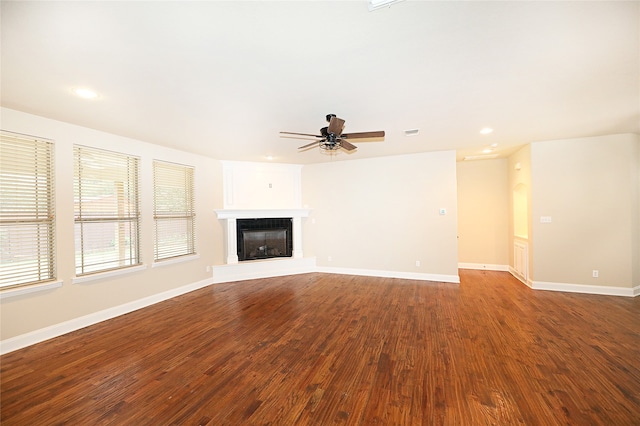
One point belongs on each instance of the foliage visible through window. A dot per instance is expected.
(173, 210)
(106, 205)
(27, 252)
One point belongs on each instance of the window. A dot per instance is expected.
(107, 213)
(27, 252)
(173, 210)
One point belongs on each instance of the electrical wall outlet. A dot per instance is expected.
(417, 263)
(329, 258)
(208, 268)
(595, 273)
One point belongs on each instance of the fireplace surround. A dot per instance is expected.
(231, 216)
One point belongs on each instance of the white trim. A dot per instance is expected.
(171, 261)
(484, 266)
(391, 274)
(517, 276)
(37, 336)
(587, 289)
(35, 288)
(108, 274)
(248, 270)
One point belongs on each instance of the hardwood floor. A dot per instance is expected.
(319, 349)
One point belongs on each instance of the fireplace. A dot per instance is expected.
(232, 216)
(264, 238)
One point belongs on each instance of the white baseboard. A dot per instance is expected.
(484, 266)
(37, 336)
(274, 268)
(263, 269)
(513, 272)
(578, 288)
(391, 274)
(587, 289)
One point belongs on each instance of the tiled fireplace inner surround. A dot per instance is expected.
(237, 271)
(264, 238)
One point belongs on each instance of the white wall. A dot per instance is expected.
(588, 186)
(635, 226)
(382, 214)
(250, 185)
(483, 214)
(34, 311)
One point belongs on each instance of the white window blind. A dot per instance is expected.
(107, 218)
(27, 222)
(173, 210)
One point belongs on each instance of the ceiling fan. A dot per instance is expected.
(331, 137)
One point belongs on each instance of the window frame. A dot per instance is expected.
(28, 202)
(122, 171)
(175, 213)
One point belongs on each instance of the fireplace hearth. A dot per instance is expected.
(264, 238)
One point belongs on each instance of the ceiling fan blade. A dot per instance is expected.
(361, 135)
(300, 134)
(347, 145)
(335, 125)
(309, 144)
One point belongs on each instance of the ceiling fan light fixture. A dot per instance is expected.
(378, 4)
(329, 149)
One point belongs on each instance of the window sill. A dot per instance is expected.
(34, 288)
(102, 275)
(173, 260)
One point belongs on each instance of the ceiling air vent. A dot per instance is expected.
(411, 132)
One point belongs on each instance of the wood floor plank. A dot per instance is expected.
(318, 349)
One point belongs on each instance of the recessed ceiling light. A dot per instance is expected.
(487, 151)
(486, 131)
(85, 93)
(493, 145)
(269, 157)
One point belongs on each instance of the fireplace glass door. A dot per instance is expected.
(264, 238)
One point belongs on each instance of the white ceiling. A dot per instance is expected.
(223, 78)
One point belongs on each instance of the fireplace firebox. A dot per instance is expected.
(264, 238)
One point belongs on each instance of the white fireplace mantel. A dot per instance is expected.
(231, 215)
(261, 213)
